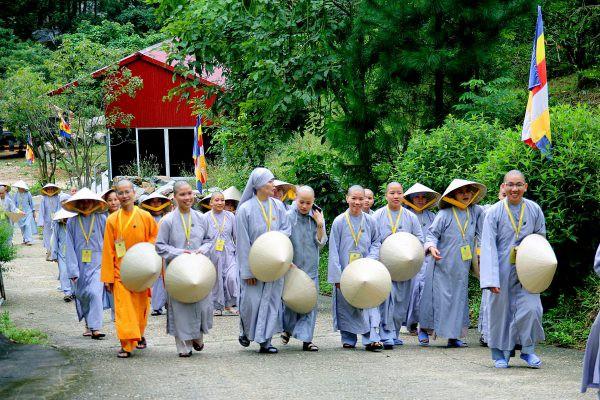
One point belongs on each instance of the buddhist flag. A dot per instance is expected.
(64, 127)
(536, 126)
(29, 156)
(198, 155)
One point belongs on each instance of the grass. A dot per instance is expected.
(18, 335)
(325, 287)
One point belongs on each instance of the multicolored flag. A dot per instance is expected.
(64, 127)
(198, 155)
(536, 126)
(29, 156)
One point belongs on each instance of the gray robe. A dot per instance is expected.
(59, 253)
(185, 321)
(514, 315)
(482, 322)
(227, 288)
(591, 359)
(48, 206)
(159, 293)
(7, 205)
(346, 317)
(393, 311)
(89, 293)
(24, 202)
(306, 257)
(450, 280)
(418, 282)
(259, 305)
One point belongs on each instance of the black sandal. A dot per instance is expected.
(244, 341)
(97, 336)
(268, 350)
(348, 346)
(309, 346)
(123, 354)
(197, 346)
(156, 313)
(141, 345)
(285, 338)
(375, 347)
(185, 355)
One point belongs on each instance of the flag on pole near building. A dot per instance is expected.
(64, 127)
(29, 156)
(198, 155)
(536, 126)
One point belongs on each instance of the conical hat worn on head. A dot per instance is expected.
(270, 256)
(105, 194)
(21, 185)
(365, 283)
(190, 277)
(71, 204)
(402, 253)
(299, 291)
(231, 193)
(140, 267)
(144, 202)
(50, 186)
(288, 189)
(63, 214)
(7, 186)
(432, 196)
(536, 263)
(446, 202)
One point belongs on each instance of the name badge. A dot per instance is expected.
(220, 245)
(513, 255)
(120, 248)
(465, 252)
(353, 256)
(86, 255)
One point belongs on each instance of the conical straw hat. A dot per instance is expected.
(85, 194)
(21, 185)
(365, 283)
(431, 195)
(7, 186)
(190, 277)
(63, 214)
(105, 193)
(458, 183)
(231, 193)
(299, 291)
(536, 263)
(140, 267)
(145, 202)
(288, 189)
(270, 256)
(402, 253)
(50, 186)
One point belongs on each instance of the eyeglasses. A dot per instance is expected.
(518, 185)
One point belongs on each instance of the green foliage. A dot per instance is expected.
(567, 188)
(15, 54)
(223, 175)
(325, 287)
(23, 336)
(452, 151)
(148, 167)
(589, 78)
(7, 251)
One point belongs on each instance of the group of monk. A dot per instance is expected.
(92, 232)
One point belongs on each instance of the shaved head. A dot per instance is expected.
(514, 172)
(180, 185)
(124, 182)
(391, 184)
(305, 190)
(355, 188)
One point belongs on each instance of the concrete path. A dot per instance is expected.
(224, 370)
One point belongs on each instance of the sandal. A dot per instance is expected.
(123, 354)
(456, 344)
(348, 346)
(268, 350)
(87, 333)
(285, 338)
(423, 339)
(97, 336)
(141, 345)
(230, 312)
(217, 313)
(67, 298)
(185, 354)
(244, 341)
(309, 346)
(156, 313)
(375, 347)
(197, 346)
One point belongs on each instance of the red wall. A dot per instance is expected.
(147, 107)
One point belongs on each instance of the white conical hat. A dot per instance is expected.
(402, 253)
(270, 256)
(63, 214)
(365, 283)
(7, 186)
(50, 185)
(231, 193)
(288, 188)
(140, 267)
(145, 199)
(190, 277)
(299, 291)
(85, 194)
(106, 192)
(21, 184)
(536, 263)
(432, 196)
(458, 183)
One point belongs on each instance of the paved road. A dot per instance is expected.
(224, 370)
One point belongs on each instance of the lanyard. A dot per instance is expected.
(120, 222)
(219, 230)
(461, 228)
(264, 213)
(394, 225)
(187, 228)
(516, 228)
(89, 234)
(355, 236)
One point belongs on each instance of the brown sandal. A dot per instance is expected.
(141, 345)
(123, 354)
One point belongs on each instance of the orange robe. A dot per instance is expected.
(131, 308)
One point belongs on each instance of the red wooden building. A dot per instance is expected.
(161, 129)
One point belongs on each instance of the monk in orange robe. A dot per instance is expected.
(124, 228)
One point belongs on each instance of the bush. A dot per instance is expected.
(567, 187)
(7, 251)
(24, 336)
